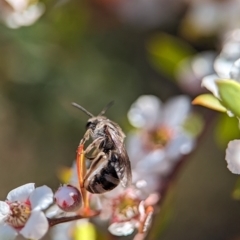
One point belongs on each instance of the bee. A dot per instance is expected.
(110, 163)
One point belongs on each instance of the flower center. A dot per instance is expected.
(126, 208)
(160, 137)
(19, 214)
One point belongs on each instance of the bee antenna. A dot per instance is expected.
(82, 109)
(106, 108)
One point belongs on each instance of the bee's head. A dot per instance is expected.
(92, 123)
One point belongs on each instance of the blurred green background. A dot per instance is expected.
(92, 52)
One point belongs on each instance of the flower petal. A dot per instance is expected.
(202, 63)
(146, 183)
(233, 156)
(121, 228)
(181, 145)
(235, 71)
(223, 66)
(36, 226)
(154, 162)
(209, 82)
(144, 112)
(192, 69)
(7, 232)
(18, 6)
(53, 212)
(231, 48)
(61, 231)
(150, 160)
(4, 210)
(175, 111)
(26, 16)
(41, 198)
(134, 146)
(21, 193)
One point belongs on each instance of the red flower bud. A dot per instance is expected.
(68, 198)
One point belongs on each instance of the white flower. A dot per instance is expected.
(210, 81)
(161, 139)
(130, 212)
(233, 156)
(226, 65)
(22, 212)
(124, 212)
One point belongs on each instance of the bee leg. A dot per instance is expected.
(94, 144)
(94, 164)
(90, 158)
(85, 211)
(86, 136)
(93, 156)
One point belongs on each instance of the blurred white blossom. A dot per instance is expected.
(145, 13)
(22, 212)
(226, 65)
(128, 211)
(233, 156)
(159, 141)
(228, 71)
(207, 17)
(191, 70)
(18, 13)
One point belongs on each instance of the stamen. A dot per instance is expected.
(19, 214)
(125, 208)
(159, 138)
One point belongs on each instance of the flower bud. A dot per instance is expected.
(68, 198)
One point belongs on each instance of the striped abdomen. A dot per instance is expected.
(103, 179)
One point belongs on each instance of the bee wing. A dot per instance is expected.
(125, 176)
(124, 171)
(117, 136)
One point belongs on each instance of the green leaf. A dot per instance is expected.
(229, 91)
(209, 101)
(226, 130)
(166, 51)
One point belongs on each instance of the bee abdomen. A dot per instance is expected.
(105, 180)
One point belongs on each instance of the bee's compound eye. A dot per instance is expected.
(88, 125)
(91, 124)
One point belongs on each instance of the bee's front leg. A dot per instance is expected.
(94, 144)
(85, 137)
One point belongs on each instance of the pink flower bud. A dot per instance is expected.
(68, 198)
